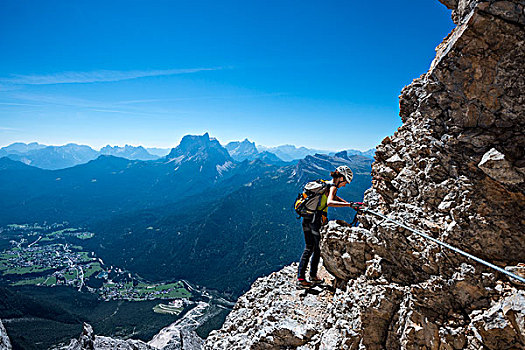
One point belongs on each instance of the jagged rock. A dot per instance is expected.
(180, 335)
(347, 251)
(175, 338)
(86, 340)
(519, 271)
(104, 343)
(497, 167)
(4, 339)
(169, 338)
(89, 341)
(273, 314)
(440, 173)
(503, 325)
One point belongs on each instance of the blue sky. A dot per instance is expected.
(320, 74)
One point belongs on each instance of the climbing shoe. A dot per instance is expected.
(302, 283)
(316, 280)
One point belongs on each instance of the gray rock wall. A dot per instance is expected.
(455, 169)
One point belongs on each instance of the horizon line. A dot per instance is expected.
(98, 148)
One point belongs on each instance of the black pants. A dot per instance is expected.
(311, 227)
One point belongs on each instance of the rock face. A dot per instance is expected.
(89, 341)
(273, 315)
(497, 167)
(5, 344)
(183, 340)
(456, 170)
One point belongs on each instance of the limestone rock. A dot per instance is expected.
(168, 339)
(497, 167)
(4, 339)
(503, 325)
(519, 271)
(176, 338)
(345, 251)
(89, 341)
(273, 314)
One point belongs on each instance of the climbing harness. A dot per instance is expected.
(457, 250)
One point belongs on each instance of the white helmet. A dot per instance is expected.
(346, 172)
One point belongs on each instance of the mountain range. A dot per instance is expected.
(293, 153)
(128, 152)
(60, 157)
(196, 214)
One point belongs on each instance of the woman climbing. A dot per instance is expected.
(312, 225)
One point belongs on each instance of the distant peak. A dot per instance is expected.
(195, 144)
(204, 137)
(246, 141)
(342, 154)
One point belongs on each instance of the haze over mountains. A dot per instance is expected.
(60, 157)
(196, 214)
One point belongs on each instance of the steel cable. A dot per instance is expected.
(446, 245)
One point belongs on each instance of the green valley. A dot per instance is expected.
(47, 255)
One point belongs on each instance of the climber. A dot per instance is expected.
(312, 224)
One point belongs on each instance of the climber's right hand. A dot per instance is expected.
(357, 205)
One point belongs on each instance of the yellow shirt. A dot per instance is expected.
(323, 203)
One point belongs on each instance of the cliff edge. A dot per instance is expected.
(456, 170)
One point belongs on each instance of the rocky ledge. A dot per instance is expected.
(275, 314)
(456, 170)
